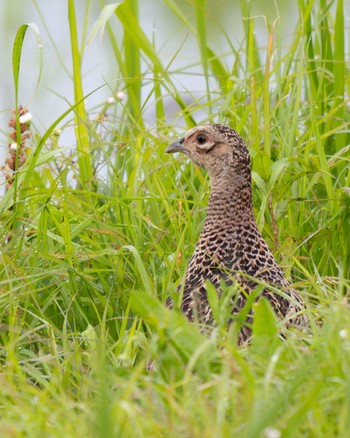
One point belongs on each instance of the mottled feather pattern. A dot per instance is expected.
(230, 247)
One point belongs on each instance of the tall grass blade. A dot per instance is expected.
(80, 117)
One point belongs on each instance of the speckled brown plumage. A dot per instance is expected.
(230, 247)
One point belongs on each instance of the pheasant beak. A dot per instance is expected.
(177, 146)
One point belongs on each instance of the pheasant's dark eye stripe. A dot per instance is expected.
(230, 247)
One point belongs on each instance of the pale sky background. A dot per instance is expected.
(49, 101)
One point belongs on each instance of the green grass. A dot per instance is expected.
(89, 255)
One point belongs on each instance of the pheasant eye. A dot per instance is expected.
(201, 139)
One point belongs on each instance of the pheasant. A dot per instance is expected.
(230, 247)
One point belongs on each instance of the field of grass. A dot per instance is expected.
(94, 238)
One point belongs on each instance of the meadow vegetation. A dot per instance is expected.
(95, 238)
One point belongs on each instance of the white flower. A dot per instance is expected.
(343, 334)
(25, 118)
(271, 432)
(121, 95)
(13, 146)
(110, 100)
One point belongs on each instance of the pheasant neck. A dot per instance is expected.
(230, 203)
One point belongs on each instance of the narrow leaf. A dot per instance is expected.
(100, 24)
(265, 329)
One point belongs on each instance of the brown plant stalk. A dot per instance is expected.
(17, 146)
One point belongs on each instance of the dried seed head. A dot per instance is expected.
(16, 147)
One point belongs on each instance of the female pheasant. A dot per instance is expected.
(230, 247)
